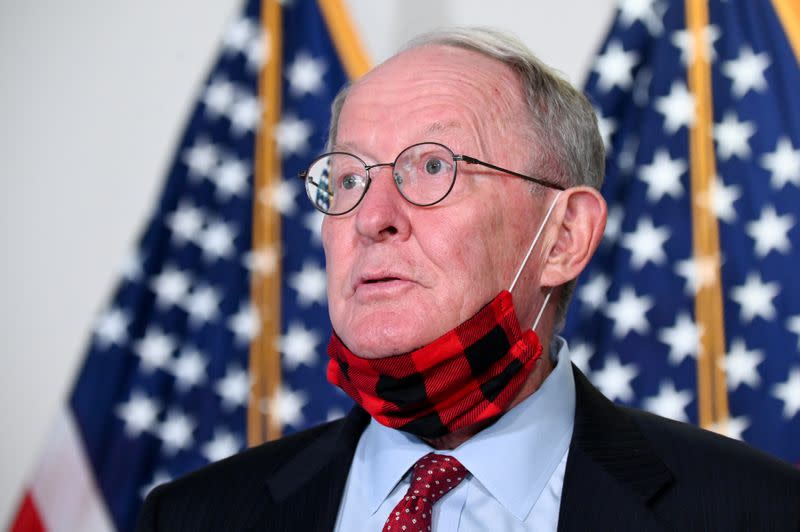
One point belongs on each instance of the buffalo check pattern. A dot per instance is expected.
(490, 357)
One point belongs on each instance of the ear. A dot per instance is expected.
(576, 237)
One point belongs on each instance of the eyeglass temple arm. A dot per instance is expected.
(473, 160)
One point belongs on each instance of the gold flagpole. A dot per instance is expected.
(789, 14)
(711, 381)
(265, 290)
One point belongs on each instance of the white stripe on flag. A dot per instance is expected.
(63, 487)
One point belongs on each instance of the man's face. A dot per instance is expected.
(400, 276)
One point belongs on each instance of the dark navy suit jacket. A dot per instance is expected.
(626, 470)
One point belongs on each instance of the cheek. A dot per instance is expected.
(336, 253)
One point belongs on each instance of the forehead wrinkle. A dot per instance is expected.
(490, 106)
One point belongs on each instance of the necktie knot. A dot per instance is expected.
(432, 477)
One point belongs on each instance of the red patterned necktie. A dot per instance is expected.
(431, 478)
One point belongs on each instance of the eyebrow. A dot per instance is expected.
(438, 127)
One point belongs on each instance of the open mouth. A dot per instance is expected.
(381, 280)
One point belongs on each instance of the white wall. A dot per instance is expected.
(92, 96)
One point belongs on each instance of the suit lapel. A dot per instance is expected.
(612, 472)
(305, 492)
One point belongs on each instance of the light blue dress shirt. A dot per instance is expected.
(516, 466)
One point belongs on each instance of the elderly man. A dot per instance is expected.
(461, 194)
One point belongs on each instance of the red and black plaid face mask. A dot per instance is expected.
(469, 375)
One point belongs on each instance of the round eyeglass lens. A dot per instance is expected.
(424, 173)
(336, 182)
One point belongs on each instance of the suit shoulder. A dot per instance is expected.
(256, 462)
(224, 494)
(688, 449)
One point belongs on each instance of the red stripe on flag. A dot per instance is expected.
(27, 519)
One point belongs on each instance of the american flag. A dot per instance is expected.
(165, 385)
(633, 326)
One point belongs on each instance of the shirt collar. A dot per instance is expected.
(513, 459)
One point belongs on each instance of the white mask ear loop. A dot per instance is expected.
(535, 239)
(527, 256)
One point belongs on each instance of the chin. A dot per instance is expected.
(371, 339)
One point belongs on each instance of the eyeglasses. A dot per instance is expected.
(423, 173)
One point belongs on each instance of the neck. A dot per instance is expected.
(534, 381)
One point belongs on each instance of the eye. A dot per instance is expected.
(351, 181)
(434, 165)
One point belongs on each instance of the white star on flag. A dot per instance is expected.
(286, 406)
(246, 323)
(789, 393)
(216, 240)
(747, 71)
(112, 327)
(185, 222)
(733, 136)
(189, 368)
(223, 445)
(257, 51)
(579, 354)
(669, 402)
(313, 222)
(682, 338)
(698, 272)
(170, 286)
(263, 261)
(305, 74)
(298, 346)
(310, 283)
(155, 349)
(231, 178)
(648, 11)
(607, 127)
(160, 477)
(629, 312)
(684, 41)
(646, 243)
(663, 176)
(771, 232)
(239, 35)
(245, 114)
(176, 431)
(615, 67)
(613, 224)
(334, 414)
(202, 304)
(234, 388)
(132, 267)
(201, 158)
(741, 365)
(614, 379)
(281, 196)
(678, 107)
(721, 200)
(793, 325)
(755, 298)
(783, 164)
(218, 97)
(292, 135)
(732, 427)
(593, 293)
(139, 413)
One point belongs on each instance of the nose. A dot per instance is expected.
(383, 213)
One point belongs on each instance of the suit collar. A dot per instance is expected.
(608, 454)
(313, 476)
